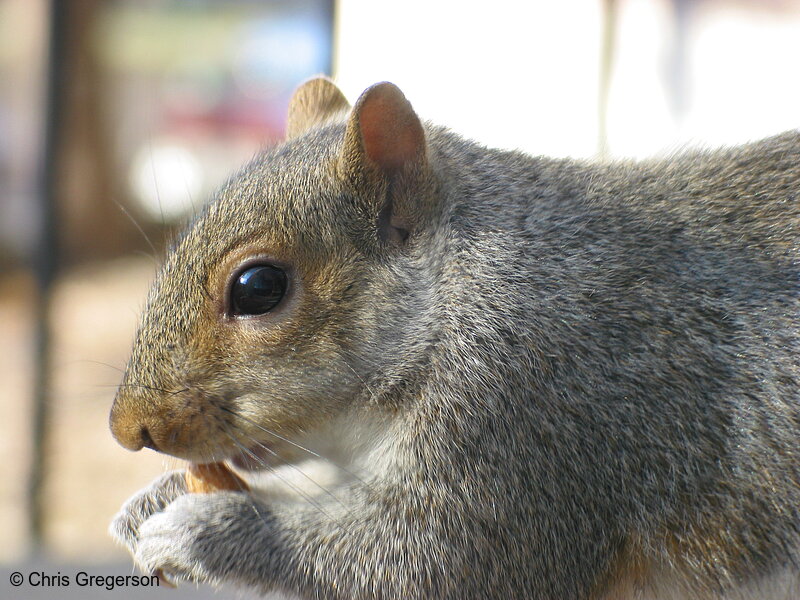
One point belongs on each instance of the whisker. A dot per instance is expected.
(290, 465)
(295, 444)
(155, 180)
(274, 471)
(189, 195)
(146, 255)
(215, 457)
(95, 362)
(372, 394)
(152, 388)
(106, 385)
(139, 227)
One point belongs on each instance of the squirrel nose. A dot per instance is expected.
(146, 421)
(129, 437)
(133, 437)
(147, 441)
(130, 431)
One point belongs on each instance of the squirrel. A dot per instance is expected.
(536, 378)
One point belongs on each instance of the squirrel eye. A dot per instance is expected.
(257, 290)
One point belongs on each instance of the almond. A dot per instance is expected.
(204, 478)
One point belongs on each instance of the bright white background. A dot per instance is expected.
(518, 74)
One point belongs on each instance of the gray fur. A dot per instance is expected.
(583, 372)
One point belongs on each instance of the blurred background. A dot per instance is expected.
(118, 118)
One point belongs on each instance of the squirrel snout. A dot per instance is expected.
(136, 443)
(175, 428)
(130, 435)
(130, 428)
(134, 434)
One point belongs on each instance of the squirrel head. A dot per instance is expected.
(294, 289)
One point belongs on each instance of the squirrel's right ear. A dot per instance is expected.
(316, 102)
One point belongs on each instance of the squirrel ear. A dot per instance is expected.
(384, 155)
(316, 102)
(383, 131)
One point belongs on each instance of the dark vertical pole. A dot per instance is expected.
(607, 42)
(46, 264)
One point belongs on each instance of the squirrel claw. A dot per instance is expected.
(164, 580)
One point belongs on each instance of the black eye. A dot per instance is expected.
(257, 290)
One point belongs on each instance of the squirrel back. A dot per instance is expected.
(575, 379)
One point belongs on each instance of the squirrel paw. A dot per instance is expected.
(198, 538)
(155, 498)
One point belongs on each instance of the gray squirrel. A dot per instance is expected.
(535, 378)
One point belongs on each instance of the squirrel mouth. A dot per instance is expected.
(256, 458)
